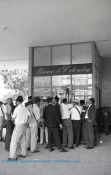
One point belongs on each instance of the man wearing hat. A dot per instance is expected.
(33, 123)
(53, 123)
(20, 117)
(89, 121)
(76, 121)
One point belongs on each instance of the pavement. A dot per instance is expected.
(79, 161)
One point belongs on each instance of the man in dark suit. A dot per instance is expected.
(89, 120)
(52, 119)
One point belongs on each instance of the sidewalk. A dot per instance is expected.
(79, 161)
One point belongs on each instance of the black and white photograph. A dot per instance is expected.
(55, 87)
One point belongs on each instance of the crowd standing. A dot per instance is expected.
(62, 125)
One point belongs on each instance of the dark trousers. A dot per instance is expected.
(76, 125)
(89, 133)
(67, 133)
(54, 133)
(82, 135)
(9, 131)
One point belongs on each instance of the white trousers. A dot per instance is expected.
(31, 137)
(18, 136)
(43, 130)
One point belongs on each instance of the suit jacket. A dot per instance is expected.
(51, 116)
(58, 110)
(91, 113)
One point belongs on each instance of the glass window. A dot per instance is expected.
(61, 55)
(82, 79)
(42, 92)
(82, 92)
(42, 81)
(81, 53)
(61, 80)
(42, 56)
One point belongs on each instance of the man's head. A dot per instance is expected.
(64, 101)
(76, 101)
(19, 100)
(37, 100)
(49, 99)
(30, 98)
(9, 101)
(92, 101)
(82, 102)
(56, 100)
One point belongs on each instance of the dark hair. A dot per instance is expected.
(49, 99)
(19, 99)
(82, 102)
(30, 98)
(92, 100)
(64, 100)
(37, 99)
(1, 102)
(57, 98)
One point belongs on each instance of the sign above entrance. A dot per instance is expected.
(62, 69)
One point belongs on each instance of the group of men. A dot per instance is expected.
(61, 123)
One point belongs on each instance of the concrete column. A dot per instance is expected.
(31, 60)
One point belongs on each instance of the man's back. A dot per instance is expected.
(50, 116)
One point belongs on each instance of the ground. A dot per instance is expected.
(79, 161)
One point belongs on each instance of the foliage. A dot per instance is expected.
(16, 80)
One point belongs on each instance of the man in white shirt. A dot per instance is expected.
(33, 123)
(67, 124)
(76, 122)
(20, 117)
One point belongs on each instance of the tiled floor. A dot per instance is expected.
(79, 161)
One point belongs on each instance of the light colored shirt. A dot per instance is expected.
(65, 112)
(21, 114)
(75, 114)
(86, 116)
(36, 111)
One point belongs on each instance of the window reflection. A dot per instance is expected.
(43, 92)
(82, 79)
(42, 81)
(61, 80)
(42, 56)
(61, 55)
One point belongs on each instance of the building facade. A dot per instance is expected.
(66, 70)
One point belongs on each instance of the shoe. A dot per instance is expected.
(51, 149)
(71, 147)
(63, 150)
(11, 159)
(77, 145)
(20, 155)
(36, 151)
(28, 149)
(89, 147)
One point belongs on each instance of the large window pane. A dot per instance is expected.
(81, 53)
(61, 80)
(42, 92)
(42, 81)
(82, 79)
(42, 56)
(61, 55)
(82, 92)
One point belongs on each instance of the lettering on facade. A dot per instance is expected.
(62, 69)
